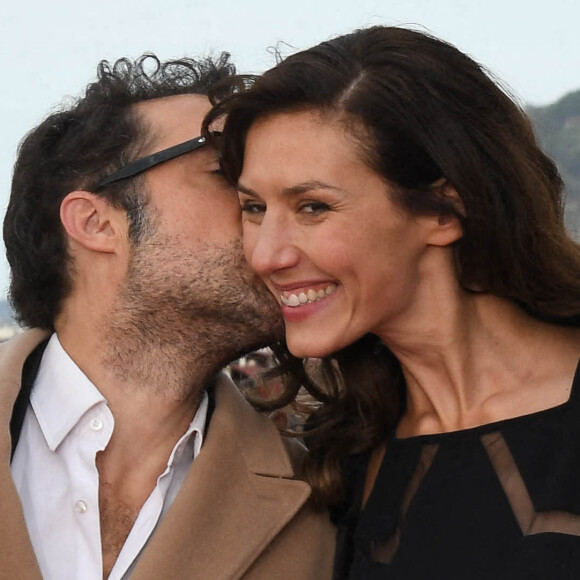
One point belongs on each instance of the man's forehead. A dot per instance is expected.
(173, 120)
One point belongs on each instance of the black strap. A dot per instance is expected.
(210, 387)
(29, 372)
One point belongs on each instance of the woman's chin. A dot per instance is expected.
(308, 347)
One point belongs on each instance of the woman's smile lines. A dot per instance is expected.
(306, 296)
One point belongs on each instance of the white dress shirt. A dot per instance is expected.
(67, 423)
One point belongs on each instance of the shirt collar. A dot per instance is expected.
(189, 444)
(62, 394)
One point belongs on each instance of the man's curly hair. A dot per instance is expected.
(74, 148)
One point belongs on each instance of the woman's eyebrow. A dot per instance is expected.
(293, 190)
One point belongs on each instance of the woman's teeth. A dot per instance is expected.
(307, 297)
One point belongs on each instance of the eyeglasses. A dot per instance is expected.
(144, 163)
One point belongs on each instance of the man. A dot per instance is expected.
(130, 458)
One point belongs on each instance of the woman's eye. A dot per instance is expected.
(314, 207)
(252, 207)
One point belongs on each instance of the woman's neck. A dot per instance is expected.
(473, 359)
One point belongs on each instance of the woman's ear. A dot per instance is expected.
(448, 226)
(91, 221)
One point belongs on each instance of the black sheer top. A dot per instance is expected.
(499, 501)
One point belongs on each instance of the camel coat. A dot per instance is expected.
(240, 513)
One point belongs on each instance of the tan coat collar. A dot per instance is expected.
(234, 501)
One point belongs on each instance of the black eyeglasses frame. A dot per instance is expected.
(142, 164)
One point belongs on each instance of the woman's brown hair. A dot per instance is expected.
(420, 111)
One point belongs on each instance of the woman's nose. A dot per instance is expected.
(269, 246)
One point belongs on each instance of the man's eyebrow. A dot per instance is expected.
(294, 190)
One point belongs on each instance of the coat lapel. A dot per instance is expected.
(16, 553)
(236, 498)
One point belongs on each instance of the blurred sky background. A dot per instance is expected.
(49, 50)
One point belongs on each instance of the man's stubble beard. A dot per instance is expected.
(182, 315)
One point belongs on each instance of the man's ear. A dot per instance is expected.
(92, 221)
(447, 227)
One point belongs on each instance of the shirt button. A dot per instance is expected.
(96, 424)
(80, 506)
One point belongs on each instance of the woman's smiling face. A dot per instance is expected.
(323, 232)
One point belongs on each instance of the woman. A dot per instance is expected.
(396, 203)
